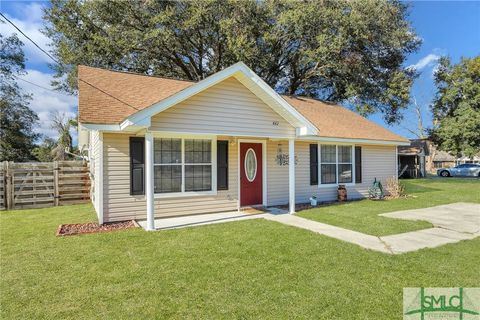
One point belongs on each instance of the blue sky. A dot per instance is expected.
(449, 28)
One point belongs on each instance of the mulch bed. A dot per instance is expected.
(93, 227)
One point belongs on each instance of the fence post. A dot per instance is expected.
(4, 184)
(8, 187)
(56, 192)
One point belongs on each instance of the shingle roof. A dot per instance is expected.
(339, 122)
(443, 156)
(108, 97)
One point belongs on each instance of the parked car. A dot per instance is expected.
(462, 170)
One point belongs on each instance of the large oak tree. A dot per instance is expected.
(336, 50)
(456, 107)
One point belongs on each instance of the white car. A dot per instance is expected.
(462, 170)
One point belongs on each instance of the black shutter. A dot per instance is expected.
(358, 164)
(222, 165)
(314, 164)
(137, 165)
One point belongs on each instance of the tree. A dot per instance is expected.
(17, 120)
(420, 132)
(341, 51)
(456, 107)
(62, 124)
(43, 152)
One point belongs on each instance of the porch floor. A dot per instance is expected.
(202, 219)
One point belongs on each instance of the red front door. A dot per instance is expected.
(251, 175)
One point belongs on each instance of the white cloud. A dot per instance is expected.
(426, 61)
(45, 102)
(30, 23)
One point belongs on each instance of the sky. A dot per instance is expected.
(447, 28)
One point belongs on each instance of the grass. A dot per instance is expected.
(245, 270)
(364, 216)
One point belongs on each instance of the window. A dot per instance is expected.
(182, 165)
(344, 164)
(250, 165)
(328, 167)
(198, 165)
(336, 164)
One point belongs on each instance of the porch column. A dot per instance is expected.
(149, 193)
(291, 175)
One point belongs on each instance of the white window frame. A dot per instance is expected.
(213, 163)
(327, 185)
(351, 163)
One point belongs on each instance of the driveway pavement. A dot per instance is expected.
(460, 216)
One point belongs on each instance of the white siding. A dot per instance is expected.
(94, 157)
(377, 162)
(277, 176)
(120, 205)
(227, 108)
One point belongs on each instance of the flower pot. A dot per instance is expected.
(342, 193)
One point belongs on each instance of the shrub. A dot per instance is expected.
(394, 188)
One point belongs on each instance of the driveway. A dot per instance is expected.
(460, 216)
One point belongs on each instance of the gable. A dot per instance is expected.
(226, 108)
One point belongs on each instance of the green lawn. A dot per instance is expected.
(364, 216)
(250, 269)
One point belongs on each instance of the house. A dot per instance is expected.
(443, 159)
(466, 159)
(162, 147)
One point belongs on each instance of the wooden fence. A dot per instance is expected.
(43, 184)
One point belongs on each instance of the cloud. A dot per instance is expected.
(428, 60)
(44, 102)
(30, 23)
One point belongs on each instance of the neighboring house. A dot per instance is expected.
(412, 159)
(466, 159)
(162, 147)
(443, 159)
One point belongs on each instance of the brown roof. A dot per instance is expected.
(108, 97)
(443, 156)
(339, 122)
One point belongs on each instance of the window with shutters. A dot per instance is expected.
(336, 165)
(182, 165)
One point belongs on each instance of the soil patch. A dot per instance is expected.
(93, 227)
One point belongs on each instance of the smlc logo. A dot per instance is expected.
(441, 303)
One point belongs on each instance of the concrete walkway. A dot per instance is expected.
(452, 223)
(364, 240)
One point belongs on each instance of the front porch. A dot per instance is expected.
(251, 168)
